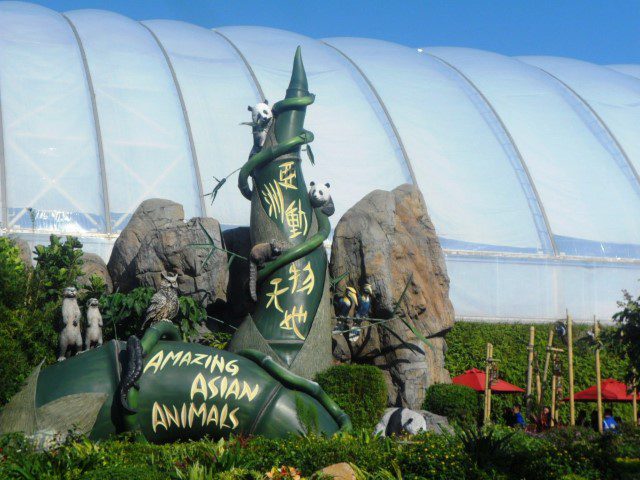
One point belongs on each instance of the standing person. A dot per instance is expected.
(609, 424)
(519, 419)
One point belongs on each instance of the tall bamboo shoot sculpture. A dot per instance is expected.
(291, 321)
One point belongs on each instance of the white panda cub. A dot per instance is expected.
(320, 196)
(261, 118)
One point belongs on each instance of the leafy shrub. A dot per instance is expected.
(359, 390)
(123, 472)
(456, 402)
(58, 265)
(123, 313)
(12, 274)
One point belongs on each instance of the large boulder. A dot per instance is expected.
(94, 265)
(157, 239)
(387, 239)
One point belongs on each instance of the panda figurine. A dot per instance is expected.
(320, 196)
(261, 119)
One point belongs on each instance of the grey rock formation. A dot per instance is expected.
(94, 265)
(26, 252)
(158, 240)
(386, 240)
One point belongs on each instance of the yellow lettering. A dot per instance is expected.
(157, 417)
(234, 389)
(217, 362)
(223, 416)
(172, 417)
(186, 359)
(155, 362)
(232, 367)
(171, 356)
(233, 418)
(248, 392)
(273, 296)
(199, 385)
(223, 386)
(202, 410)
(212, 387)
(213, 415)
(183, 414)
(198, 358)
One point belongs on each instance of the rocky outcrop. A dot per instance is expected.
(158, 240)
(94, 265)
(26, 253)
(388, 240)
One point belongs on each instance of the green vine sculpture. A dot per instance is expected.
(290, 287)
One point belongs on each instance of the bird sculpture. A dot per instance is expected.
(344, 304)
(364, 302)
(164, 303)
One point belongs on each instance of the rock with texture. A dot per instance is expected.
(339, 471)
(94, 265)
(26, 252)
(157, 240)
(238, 240)
(387, 240)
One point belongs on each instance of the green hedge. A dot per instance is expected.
(456, 402)
(467, 344)
(496, 453)
(360, 390)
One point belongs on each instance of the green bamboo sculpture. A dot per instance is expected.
(291, 320)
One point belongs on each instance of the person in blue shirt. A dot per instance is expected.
(609, 423)
(519, 419)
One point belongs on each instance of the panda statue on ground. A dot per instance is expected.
(320, 196)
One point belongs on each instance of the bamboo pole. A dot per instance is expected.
(553, 400)
(572, 405)
(634, 402)
(538, 385)
(548, 357)
(532, 339)
(596, 332)
(487, 385)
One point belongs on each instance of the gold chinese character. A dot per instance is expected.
(309, 280)
(272, 194)
(287, 176)
(296, 219)
(292, 320)
(273, 296)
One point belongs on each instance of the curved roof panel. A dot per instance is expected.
(462, 157)
(142, 125)
(628, 69)
(216, 88)
(53, 180)
(569, 162)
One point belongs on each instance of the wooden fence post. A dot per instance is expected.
(596, 333)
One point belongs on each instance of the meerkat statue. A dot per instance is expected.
(260, 254)
(93, 334)
(70, 336)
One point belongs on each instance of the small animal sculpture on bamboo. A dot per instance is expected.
(260, 254)
(70, 341)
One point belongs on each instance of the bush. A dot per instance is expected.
(360, 390)
(12, 274)
(456, 402)
(120, 472)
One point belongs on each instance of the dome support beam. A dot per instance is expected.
(619, 154)
(394, 130)
(256, 83)
(96, 124)
(4, 215)
(536, 207)
(185, 115)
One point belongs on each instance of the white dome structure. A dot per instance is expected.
(529, 166)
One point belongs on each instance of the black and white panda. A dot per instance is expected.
(398, 421)
(320, 196)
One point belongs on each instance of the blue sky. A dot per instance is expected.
(598, 31)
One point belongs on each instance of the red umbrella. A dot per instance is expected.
(475, 379)
(612, 391)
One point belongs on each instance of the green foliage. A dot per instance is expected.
(360, 390)
(218, 340)
(492, 453)
(457, 402)
(626, 336)
(123, 313)
(467, 346)
(12, 274)
(58, 265)
(190, 316)
(307, 417)
(95, 288)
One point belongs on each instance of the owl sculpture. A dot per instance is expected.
(164, 303)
